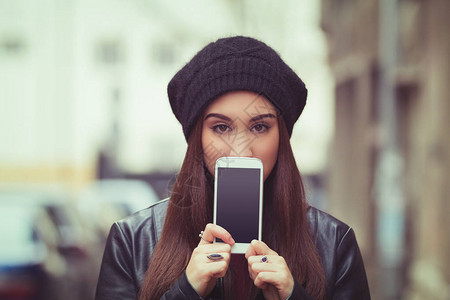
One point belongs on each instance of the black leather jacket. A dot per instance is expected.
(131, 242)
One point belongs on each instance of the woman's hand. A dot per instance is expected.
(202, 272)
(273, 276)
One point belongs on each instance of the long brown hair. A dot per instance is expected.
(285, 228)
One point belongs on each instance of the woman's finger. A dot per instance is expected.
(210, 268)
(263, 267)
(275, 279)
(213, 248)
(206, 268)
(259, 248)
(215, 231)
(206, 254)
(283, 282)
(216, 257)
(259, 283)
(250, 251)
(267, 259)
(251, 273)
(217, 269)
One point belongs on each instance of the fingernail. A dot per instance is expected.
(232, 241)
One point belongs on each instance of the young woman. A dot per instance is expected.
(236, 97)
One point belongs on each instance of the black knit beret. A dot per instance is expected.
(231, 64)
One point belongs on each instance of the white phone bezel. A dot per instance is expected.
(240, 162)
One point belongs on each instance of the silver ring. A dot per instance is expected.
(201, 236)
(215, 256)
(264, 259)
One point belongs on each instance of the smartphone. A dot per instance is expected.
(238, 196)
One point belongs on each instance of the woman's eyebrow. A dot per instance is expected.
(260, 117)
(225, 118)
(220, 116)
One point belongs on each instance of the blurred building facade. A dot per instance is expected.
(83, 83)
(418, 77)
(79, 78)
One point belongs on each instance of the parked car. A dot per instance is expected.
(74, 248)
(30, 265)
(109, 200)
(130, 195)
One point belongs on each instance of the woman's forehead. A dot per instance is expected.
(241, 103)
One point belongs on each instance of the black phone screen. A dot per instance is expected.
(237, 209)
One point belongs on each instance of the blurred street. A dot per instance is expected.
(88, 137)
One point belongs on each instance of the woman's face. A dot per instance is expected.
(240, 123)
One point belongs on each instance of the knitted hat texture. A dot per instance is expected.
(232, 64)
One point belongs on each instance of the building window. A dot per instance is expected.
(12, 46)
(163, 53)
(110, 52)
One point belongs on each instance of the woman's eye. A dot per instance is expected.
(221, 128)
(260, 128)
